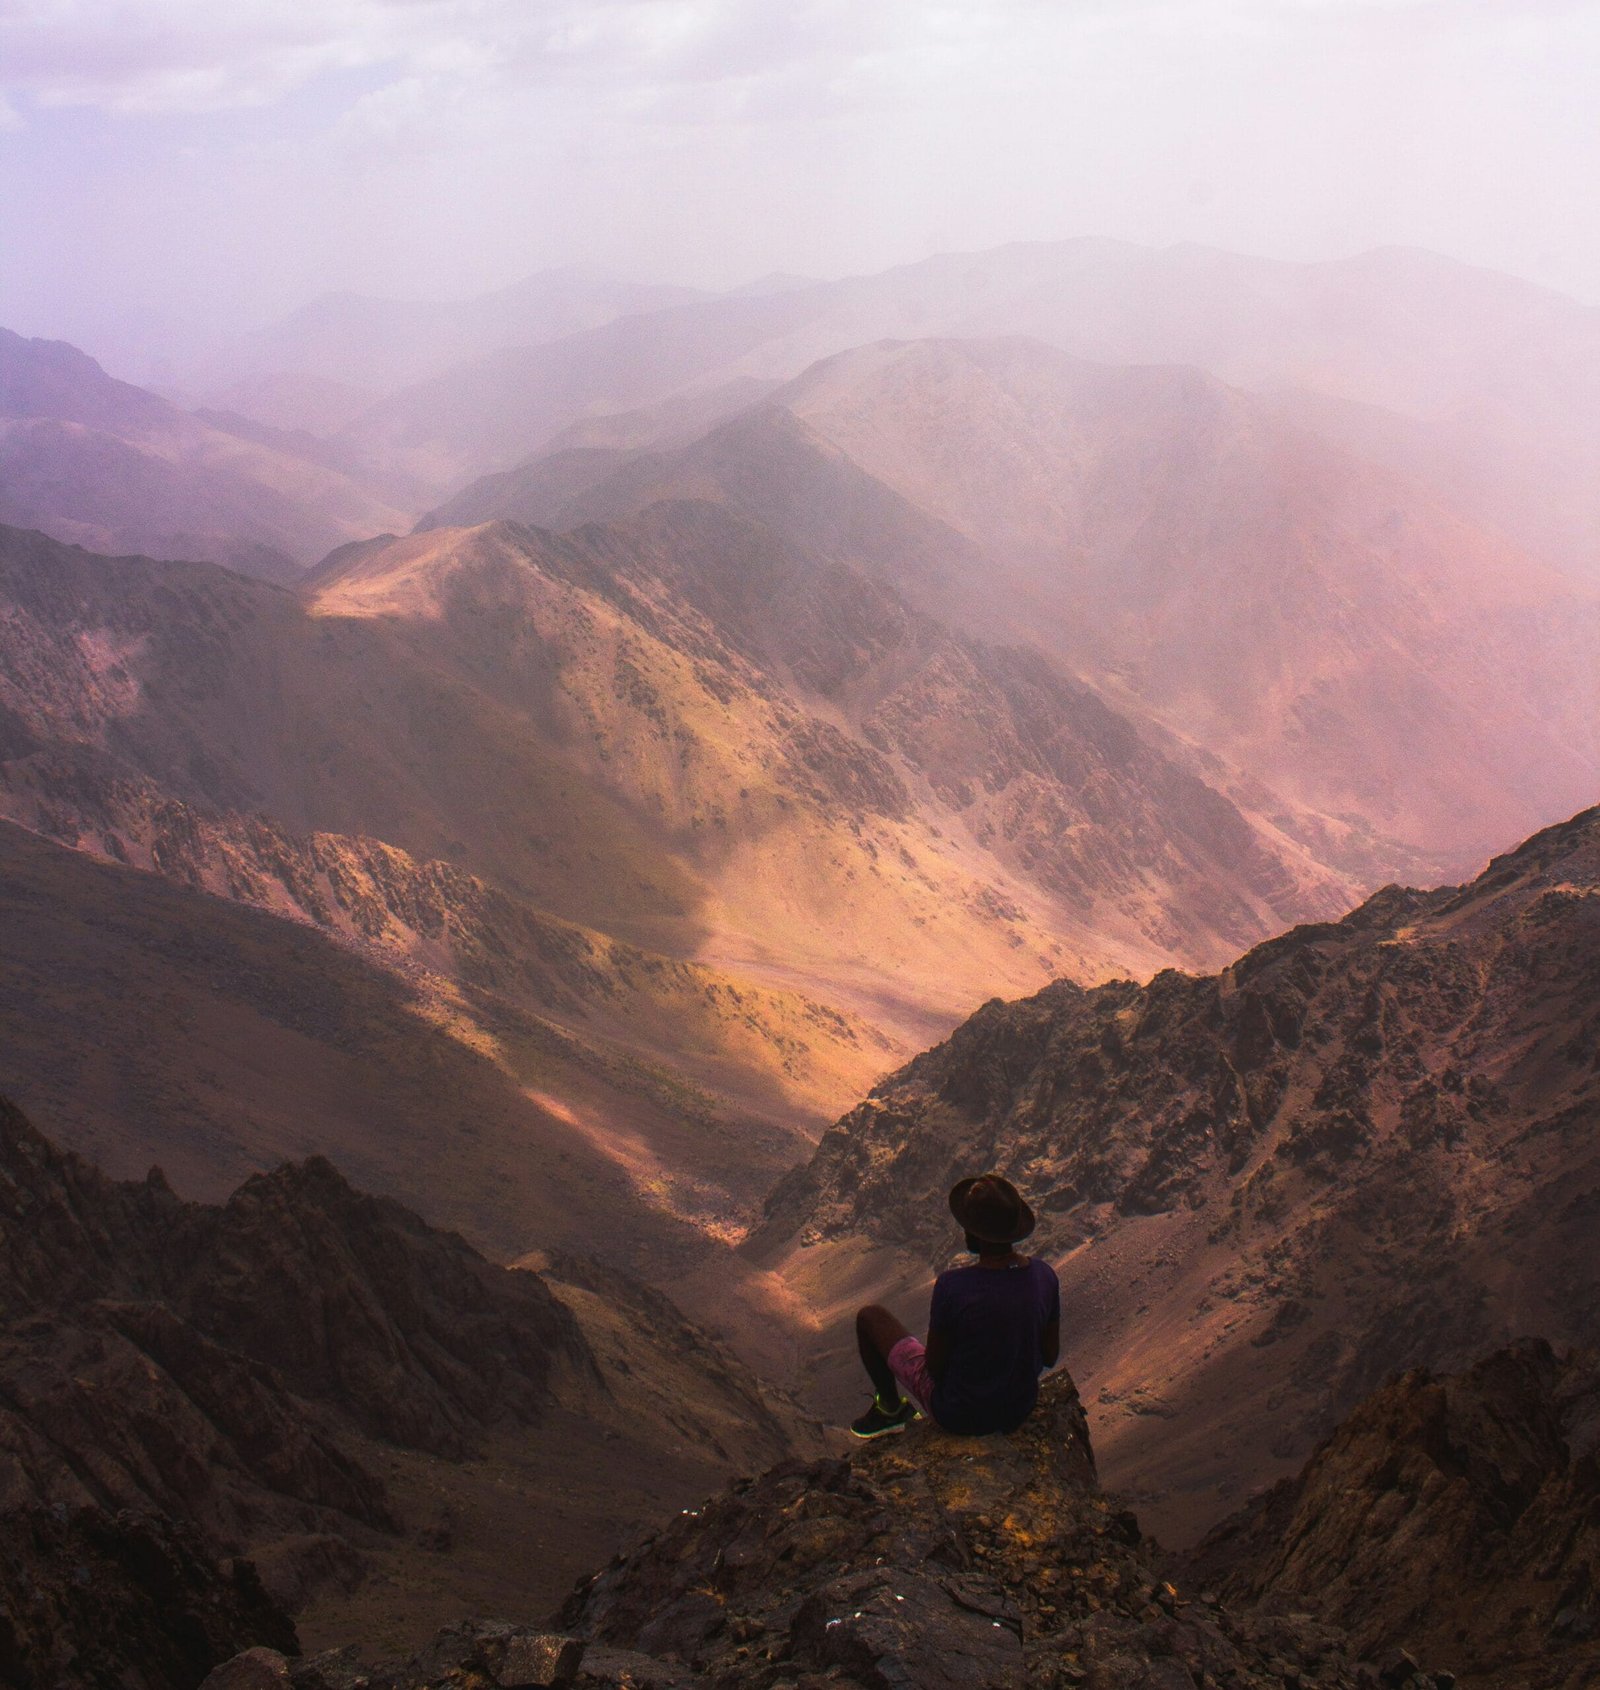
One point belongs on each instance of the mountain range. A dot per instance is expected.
(1476, 384)
(777, 676)
(1397, 690)
(369, 345)
(667, 797)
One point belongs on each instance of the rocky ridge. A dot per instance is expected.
(1367, 1145)
(1454, 1515)
(296, 1375)
(927, 1561)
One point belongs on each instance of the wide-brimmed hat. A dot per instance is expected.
(991, 1209)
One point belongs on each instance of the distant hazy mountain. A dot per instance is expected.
(1367, 1145)
(377, 344)
(109, 466)
(1494, 379)
(1393, 686)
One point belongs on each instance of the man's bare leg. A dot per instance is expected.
(877, 1332)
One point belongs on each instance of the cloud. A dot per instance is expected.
(271, 148)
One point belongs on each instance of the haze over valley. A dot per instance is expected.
(561, 781)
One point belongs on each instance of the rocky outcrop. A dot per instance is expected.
(1456, 1515)
(217, 1371)
(298, 1281)
(317, 1378)
(123, 1601)
(1368, 1145)
(925, 1562)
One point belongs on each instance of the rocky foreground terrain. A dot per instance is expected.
(1458, 1513)
(931, 1562)
(388, 1425)
(1449, 1521)
(1368, 1145)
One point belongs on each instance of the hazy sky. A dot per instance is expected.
(178, 166)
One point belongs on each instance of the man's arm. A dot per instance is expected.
(938, 1356)
(1050, 1340)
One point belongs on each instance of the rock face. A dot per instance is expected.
(924, 1562)
(351, 1301)
(180, 1383)
(122, 1601)
(1455, 1515)
(1368, 1145)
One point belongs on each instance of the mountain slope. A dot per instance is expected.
(1367, 1145)
(286, 1368)
(143, 1020)
(739, 756)
(1395, 688)
(100, 463)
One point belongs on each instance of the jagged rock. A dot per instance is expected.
(255, 1669)
(931, 1560)
(528, 1663)
(246, 1367)
(214, 1362)
(124, 1601)
(891, 1629)
(473, 1655)
(1367, 1145)
(605, 1668)
(1451, 1519)
(922, 1562)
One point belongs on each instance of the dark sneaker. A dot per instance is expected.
(876, 1424)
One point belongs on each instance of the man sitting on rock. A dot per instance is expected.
(993, 1328)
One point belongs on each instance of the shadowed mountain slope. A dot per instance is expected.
(1454, 1516)
(103, 464)
(1367, 1145)
(124, 1601)
(304, 1371)
(145, 1020)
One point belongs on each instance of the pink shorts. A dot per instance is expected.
(908, 1362)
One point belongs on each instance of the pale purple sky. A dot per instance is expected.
(173, 168)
